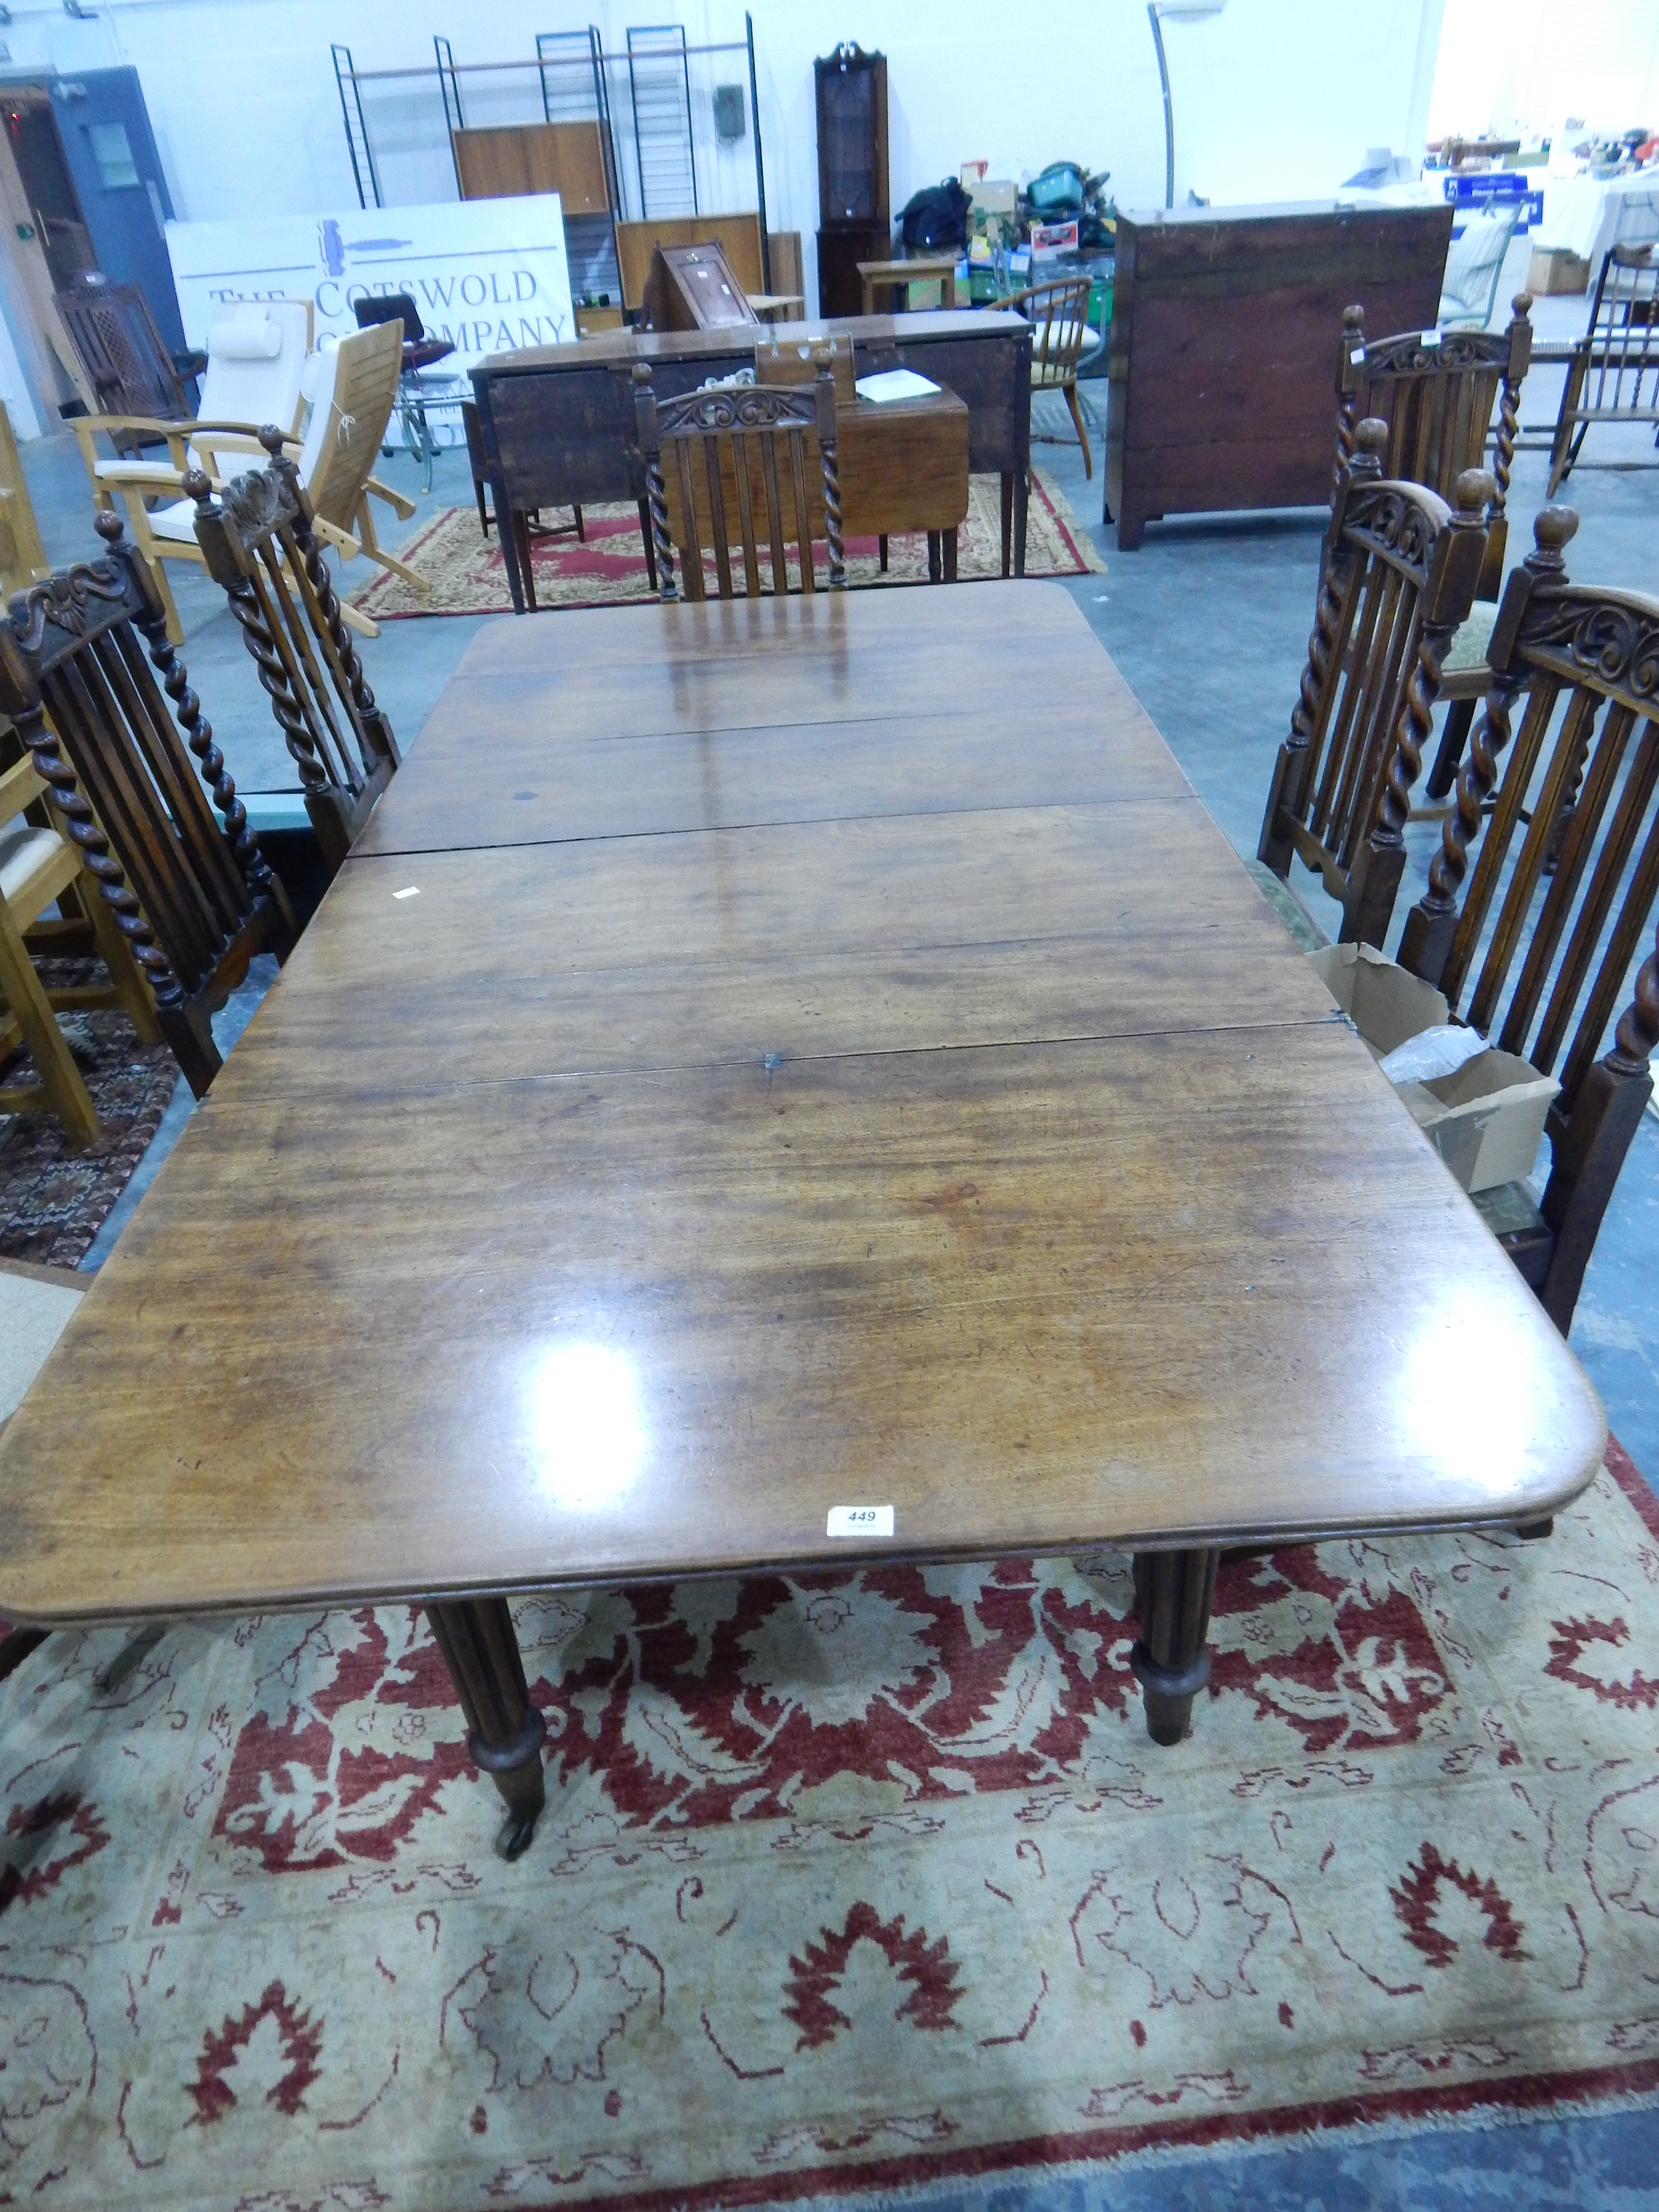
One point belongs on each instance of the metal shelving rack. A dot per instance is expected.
(659, 76)
(357, 126)
(557, 51)
(558, 55)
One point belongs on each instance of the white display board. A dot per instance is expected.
(488, 275)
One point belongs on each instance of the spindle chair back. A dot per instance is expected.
(1538, 955)
(122, 356)
(195, 902)
(738, 454)
(1397, 577)
(1437, 392)
(258, 541)
(1058, 315)
(1613, 376)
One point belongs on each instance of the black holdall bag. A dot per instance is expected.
(936, 216)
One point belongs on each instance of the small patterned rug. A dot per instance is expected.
(53, 1199)
(469, 577)
(845, 1881)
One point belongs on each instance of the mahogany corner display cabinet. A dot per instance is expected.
(854, 213)
(1226, 323)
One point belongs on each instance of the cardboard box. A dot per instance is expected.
(1385, 1003)
(1486, 1120)
(993, 195)
(1050, 239)
(1552, 269)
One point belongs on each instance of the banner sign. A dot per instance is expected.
(488, 275)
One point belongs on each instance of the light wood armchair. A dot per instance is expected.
(23, 556)
(39, 866)
(357, 388)
(1060, 335)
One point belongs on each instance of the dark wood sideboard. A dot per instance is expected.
(1225, 326)
(559, 428)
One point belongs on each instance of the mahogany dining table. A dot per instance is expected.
(793, 1084)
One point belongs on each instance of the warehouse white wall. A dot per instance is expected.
(1508, 66)
(1273, 99)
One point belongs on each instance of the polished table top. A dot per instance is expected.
(870, 330)
(821, 1058)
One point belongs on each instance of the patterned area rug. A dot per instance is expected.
(843, 1882)
(469, 577)
(52, 1199)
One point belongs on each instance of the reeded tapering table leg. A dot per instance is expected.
(505, 1730)
(1173, 1591)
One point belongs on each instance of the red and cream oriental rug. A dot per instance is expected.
(841, 1883)
(468, 576)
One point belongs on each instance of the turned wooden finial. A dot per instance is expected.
(1370, 442)
(1353, 321)
(199, 486)
(1552, 530)
(271, 439)
(1473, 492)
(107, 524)
(1520, 306)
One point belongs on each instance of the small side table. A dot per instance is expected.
(525, 524)
(933, 268)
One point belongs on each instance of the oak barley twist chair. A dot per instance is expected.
(1580, 776)
(1438, 395)
(194, 902)
(260, 546)
(729, 453)
(1399, 573)
(1059, 316)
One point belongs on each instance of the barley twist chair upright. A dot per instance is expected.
(1059, 316)
(260, 548)
(1397, 577)
(1581, 777)
(1437, 393)
(727, 455)
(194, 901)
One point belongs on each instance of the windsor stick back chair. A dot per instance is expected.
(1059, 316)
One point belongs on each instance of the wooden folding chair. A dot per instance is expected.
(1398, 575)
